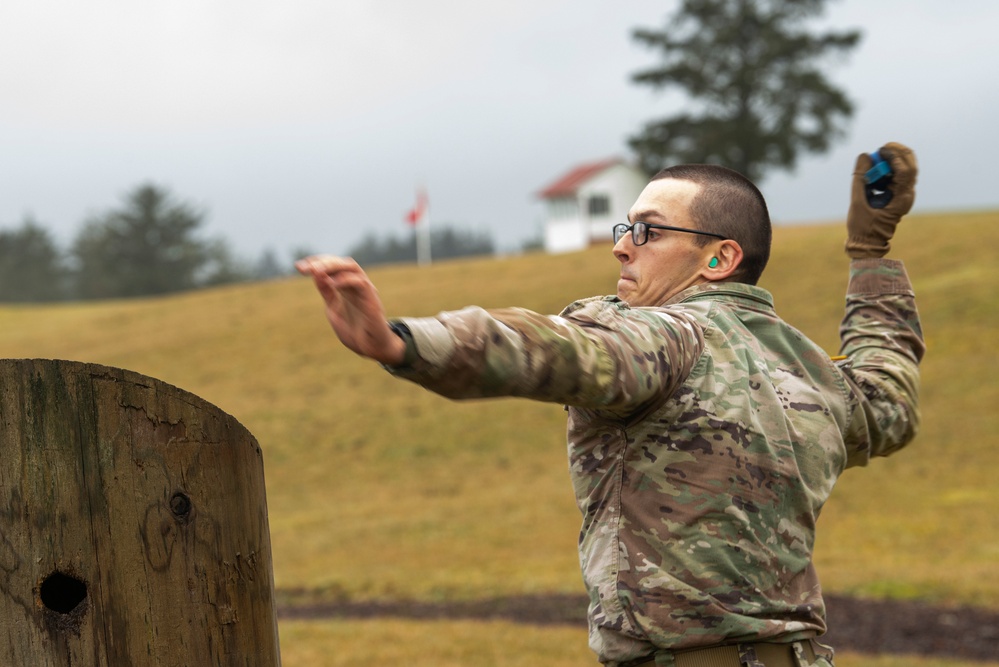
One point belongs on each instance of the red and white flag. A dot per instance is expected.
(416, 214)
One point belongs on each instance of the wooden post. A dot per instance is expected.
(133, 524)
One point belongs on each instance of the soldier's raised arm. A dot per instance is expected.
(881, 338)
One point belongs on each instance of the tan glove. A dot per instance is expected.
(870, 229)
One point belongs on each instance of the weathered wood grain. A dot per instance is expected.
(133, 524)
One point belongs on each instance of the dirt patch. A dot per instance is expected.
(865, 626)
(891, 626)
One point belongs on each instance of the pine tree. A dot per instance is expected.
(752, 73)
(30, 264)
(147, 247)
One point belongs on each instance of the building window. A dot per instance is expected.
(563, 207)
(598, 205)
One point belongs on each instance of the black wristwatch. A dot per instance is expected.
(403, 332)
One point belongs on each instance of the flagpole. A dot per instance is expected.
(423, 237)
(419, 218)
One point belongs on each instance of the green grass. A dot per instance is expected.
(379, 489)
(431, 644)
(494, 644)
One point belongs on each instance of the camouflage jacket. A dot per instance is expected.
(704, 437)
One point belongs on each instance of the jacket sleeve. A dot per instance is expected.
(882, 341)
(598, 353)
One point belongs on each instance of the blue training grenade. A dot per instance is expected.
(878, 180)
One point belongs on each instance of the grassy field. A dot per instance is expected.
(378, 489)
(457, 644)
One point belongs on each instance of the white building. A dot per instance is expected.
(583, 205)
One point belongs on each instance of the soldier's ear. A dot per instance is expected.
(725, 258)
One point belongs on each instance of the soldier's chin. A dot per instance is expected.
(624, 288)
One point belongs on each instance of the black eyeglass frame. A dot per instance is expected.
(620, 229)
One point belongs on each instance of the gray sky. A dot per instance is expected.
(310, 122)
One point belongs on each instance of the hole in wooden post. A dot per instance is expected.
(180, 505)
(62, 593)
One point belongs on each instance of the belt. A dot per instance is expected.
(743, 655)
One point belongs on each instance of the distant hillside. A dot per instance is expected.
(378, 489)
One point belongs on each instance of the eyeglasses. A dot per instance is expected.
(640, 232)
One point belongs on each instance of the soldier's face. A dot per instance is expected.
(670, 261)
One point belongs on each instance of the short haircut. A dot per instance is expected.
(729, 204)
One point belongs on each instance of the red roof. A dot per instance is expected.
(568, 184)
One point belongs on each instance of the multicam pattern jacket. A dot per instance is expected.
(704, 437)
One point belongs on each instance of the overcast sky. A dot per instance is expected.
(308, 123)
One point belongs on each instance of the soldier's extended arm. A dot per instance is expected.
(598, 354)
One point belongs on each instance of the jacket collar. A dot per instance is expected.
(731, 291)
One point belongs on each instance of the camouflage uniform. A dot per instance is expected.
(704, 437)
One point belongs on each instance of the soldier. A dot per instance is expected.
(704, 432)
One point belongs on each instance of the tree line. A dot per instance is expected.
(148, 246)
(445, 243)
(151, 245)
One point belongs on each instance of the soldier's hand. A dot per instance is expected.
(869, 229)
(353, 308)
